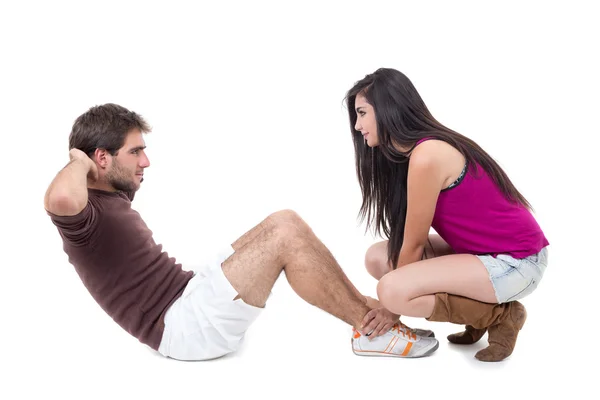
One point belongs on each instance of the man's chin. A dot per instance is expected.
(133, 187)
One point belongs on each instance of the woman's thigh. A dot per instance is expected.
(459, 274)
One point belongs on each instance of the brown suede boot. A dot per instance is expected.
(502, 320)
(469, 336)
(502, 336)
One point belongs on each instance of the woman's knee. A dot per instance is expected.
(389, 293)
(376, 260)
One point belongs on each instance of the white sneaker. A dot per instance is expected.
(397, 342)
(418, 331)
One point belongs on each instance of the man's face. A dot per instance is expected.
(126, 171)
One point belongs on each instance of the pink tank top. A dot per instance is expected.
(474, 217)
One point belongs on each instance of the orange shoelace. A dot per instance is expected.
(404, 330)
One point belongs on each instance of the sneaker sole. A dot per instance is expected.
(381, 354)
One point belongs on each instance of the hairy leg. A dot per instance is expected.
(284, 242)
(251, 234)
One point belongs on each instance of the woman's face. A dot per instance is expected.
(365, 121)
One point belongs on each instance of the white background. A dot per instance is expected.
(245, 99)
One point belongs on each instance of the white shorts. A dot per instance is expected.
(206, 322)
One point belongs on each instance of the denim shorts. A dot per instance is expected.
(515, 278)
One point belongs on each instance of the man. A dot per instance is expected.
(182, 314)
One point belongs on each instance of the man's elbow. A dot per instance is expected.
(62, 204)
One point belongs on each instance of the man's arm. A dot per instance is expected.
(67, 194)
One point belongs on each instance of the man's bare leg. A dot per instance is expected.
(283, 217)
(250, 235)
(284, 242)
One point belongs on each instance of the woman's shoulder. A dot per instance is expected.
(433, 150)
(438, 155)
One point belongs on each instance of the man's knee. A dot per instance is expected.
(285, 229)
(287, 220)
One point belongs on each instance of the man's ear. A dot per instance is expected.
(101, 157)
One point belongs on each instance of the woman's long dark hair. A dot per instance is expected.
(403, 119)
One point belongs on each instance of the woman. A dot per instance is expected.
(415, 174)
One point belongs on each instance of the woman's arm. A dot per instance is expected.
(426, 176)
